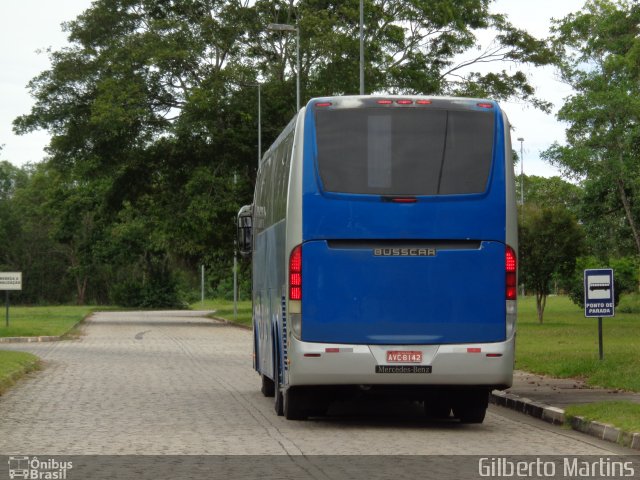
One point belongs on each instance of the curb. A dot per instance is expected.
(30, 339)
(231, 323)
(45, 338)
(556, 416)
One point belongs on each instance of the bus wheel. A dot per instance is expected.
(294, 404)
(471, 407)
(268, 386)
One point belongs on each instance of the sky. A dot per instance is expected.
(28, 27)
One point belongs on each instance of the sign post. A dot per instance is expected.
(599, 300)
(10, 281)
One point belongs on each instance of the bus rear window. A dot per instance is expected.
(404, 151)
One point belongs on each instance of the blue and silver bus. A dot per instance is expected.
(383, 236)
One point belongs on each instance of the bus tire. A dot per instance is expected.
(294, 405)
(470, 414)
(268, 386)
(471, 407)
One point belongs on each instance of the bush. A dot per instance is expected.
(160, 291)
(625, 271)
(629, 303)
(126, 293)
(224, 290)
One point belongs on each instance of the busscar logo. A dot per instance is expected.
(36, 469)
(404, 252)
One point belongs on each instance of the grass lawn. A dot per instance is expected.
(566, 344)
(224, 309)
(41, 321)
(624, 415)
(13, 365)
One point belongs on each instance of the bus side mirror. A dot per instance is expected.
(245, 231)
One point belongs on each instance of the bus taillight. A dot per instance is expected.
(510, 269)
(295, 274)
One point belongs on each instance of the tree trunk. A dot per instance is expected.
(541, 302)
(629, 215)
(81, 286)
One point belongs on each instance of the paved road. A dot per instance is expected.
(176, 383)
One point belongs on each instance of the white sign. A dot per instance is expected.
(598, 293)
(10, 280)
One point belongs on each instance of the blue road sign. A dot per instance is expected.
(598, 293)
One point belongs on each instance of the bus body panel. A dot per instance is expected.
(461, 364)
(442, 310)
(274, 208)
(267, 302)
(330, 215)
(350, 295)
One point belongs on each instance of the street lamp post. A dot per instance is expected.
(361, 47)
(259, 126)
(521, 140)
(283, 27)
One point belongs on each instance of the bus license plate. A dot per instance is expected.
(400, 356)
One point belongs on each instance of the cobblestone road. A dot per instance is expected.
(176, 383)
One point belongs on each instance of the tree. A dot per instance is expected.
(599, 52)
(426, 47)
(544, 252)
(550, 192)
(26, 242)
(152, 117)
(10, 179)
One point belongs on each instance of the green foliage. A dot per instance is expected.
(26, 243)
(152, 286)
(543, 252)
(550, 192)
(629, 303)
(157, 293)
(413, 47)
(626, 274)
(14, 365)
(224, 290)
(224, 309)
(598, 51)
(152, 107)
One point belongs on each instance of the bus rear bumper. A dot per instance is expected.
(485, 364)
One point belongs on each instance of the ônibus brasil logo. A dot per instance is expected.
(36, 469)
